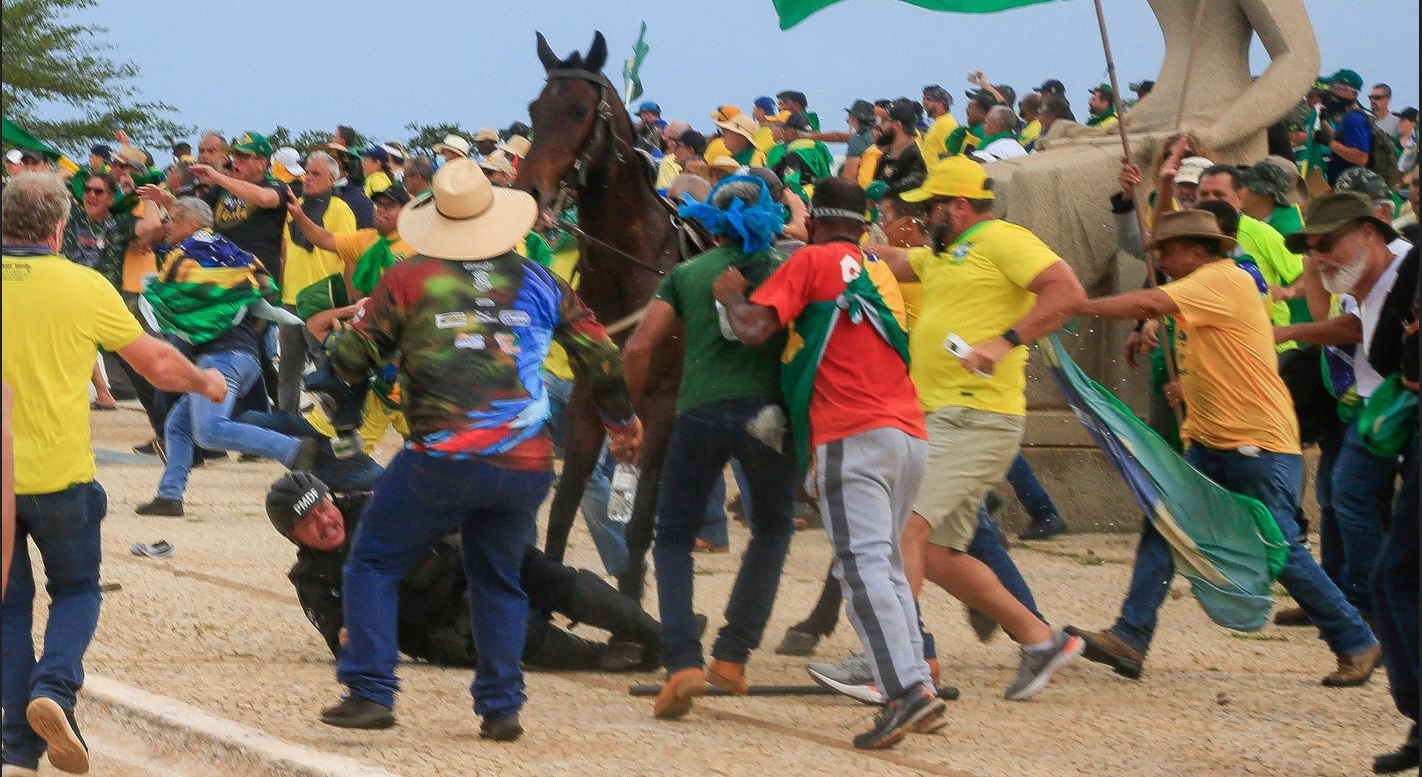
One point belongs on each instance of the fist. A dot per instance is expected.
(730, 285)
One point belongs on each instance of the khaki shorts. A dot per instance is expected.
(969, 451)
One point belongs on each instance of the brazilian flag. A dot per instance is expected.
(1228, 546)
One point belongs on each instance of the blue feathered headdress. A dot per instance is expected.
(755, 226)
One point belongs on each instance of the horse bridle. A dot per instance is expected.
(602, 132)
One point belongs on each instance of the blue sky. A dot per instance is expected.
(378, 65)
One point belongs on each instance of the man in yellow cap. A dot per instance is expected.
(990, 288)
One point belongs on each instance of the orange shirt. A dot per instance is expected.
(862, 383)
(138, 259)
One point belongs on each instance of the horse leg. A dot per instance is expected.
(657, 409)
(800, 639)
(582, 445)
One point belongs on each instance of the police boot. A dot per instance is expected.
(562, 650)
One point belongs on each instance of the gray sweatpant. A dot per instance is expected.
(866, 486)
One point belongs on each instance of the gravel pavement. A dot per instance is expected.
(216, 626)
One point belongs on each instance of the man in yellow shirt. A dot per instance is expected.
(933, 144)
(990, 289)
(1241, 431)
(307, 263)
(56, 316)
(363, 257)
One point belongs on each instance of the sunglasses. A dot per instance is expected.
(1331, 241)
(1376, 97)
(95, 190)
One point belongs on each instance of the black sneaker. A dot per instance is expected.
(798, 643)
(57, 727)
(901, 716)
(505, 729)
(355, 712)
(168, 508)
(1044, 527)
(153, 447)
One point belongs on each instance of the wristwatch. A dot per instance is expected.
(1011, 336)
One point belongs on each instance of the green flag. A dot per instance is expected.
(15, 135)
(631, 68)
(1313, 152)
(792, 12)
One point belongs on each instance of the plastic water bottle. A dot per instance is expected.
(624, 493)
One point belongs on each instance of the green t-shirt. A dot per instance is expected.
(717, 369)
(1286, 220)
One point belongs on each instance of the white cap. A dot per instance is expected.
(13, 156)
(1191, 168)
(289, 159)
(393, 151)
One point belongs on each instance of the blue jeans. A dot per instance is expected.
(702, 440)
(65, 529)
(1395, 582)
(1035, 499)
(196, 420)
(1330, 539)
(1275, 479)
(1357, 477)
(420, 499)
(987, 547)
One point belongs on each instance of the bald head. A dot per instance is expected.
(999, 118)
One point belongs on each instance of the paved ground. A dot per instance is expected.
(217, 626)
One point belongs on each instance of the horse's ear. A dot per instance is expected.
(545, 54)
(597, 55)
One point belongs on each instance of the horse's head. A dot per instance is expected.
(566, 117)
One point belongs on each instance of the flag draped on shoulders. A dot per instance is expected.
(207, 286)
(1228, 546)
(863, 305)
(792, 12)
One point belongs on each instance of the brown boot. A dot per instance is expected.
(933, 671)
(1103, 647)
(728, 676)
(1355, 669)
(681, 687)
(1293, 616)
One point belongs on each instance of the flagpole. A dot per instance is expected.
(1140, 213)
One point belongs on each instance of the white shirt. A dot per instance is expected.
(1002, 148)
(1368, 312)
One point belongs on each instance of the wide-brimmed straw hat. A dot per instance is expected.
(1183, 223)
(453, 143)
(516, 146)
(740, 124)
(465, 217)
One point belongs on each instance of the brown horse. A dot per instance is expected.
(629, 238)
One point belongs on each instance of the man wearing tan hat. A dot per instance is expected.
(1241, 432)
(738, 133)
(486, 142)
(452, 147)
(472, 323)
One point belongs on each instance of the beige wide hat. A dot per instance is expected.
(740, 124)
(465, 217)
(497, 162)
(453, 143)
(516, 145)
(724, 162)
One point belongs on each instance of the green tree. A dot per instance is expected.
(51, 60)
(426, 135)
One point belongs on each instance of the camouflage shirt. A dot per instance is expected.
(471, 339)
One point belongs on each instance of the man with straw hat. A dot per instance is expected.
(1241, 431)
(472, 323)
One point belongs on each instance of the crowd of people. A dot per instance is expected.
(860, 327)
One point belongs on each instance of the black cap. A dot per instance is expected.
(1408, 113)
(862, 110)
(395, 192)
(32, 155)
(982, 97)
(798, 122)
(291, 497)
(902, 112)
(1052, 85)
(1142, 86)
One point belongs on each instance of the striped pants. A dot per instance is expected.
(866, 485)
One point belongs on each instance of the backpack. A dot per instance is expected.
(1383, 157)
